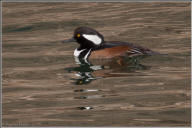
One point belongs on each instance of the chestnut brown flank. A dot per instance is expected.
(110, 52)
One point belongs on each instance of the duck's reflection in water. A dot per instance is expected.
(88, 71)
(84, 71)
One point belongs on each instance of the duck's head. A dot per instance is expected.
(86, 37)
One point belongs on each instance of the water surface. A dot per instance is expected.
(43, 85)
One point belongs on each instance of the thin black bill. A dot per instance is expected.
(68, 40)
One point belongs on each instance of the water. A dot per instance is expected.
(43, 84)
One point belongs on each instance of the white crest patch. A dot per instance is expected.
(93, 38)
(78, 52)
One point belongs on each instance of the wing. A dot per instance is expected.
(131, 48)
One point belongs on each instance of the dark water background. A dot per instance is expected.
(43, 85)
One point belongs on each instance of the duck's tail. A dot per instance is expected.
(150, 52)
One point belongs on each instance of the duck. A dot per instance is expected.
(93, 46)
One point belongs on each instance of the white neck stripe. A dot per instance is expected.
(87, 54)
(78, 52)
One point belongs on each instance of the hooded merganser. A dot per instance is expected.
(92, 45)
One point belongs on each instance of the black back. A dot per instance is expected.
(135, 48)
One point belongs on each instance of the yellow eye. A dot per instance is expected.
(78, 35)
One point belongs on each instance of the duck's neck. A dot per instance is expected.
(82, 53)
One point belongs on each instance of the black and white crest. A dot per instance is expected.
(88, 37)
